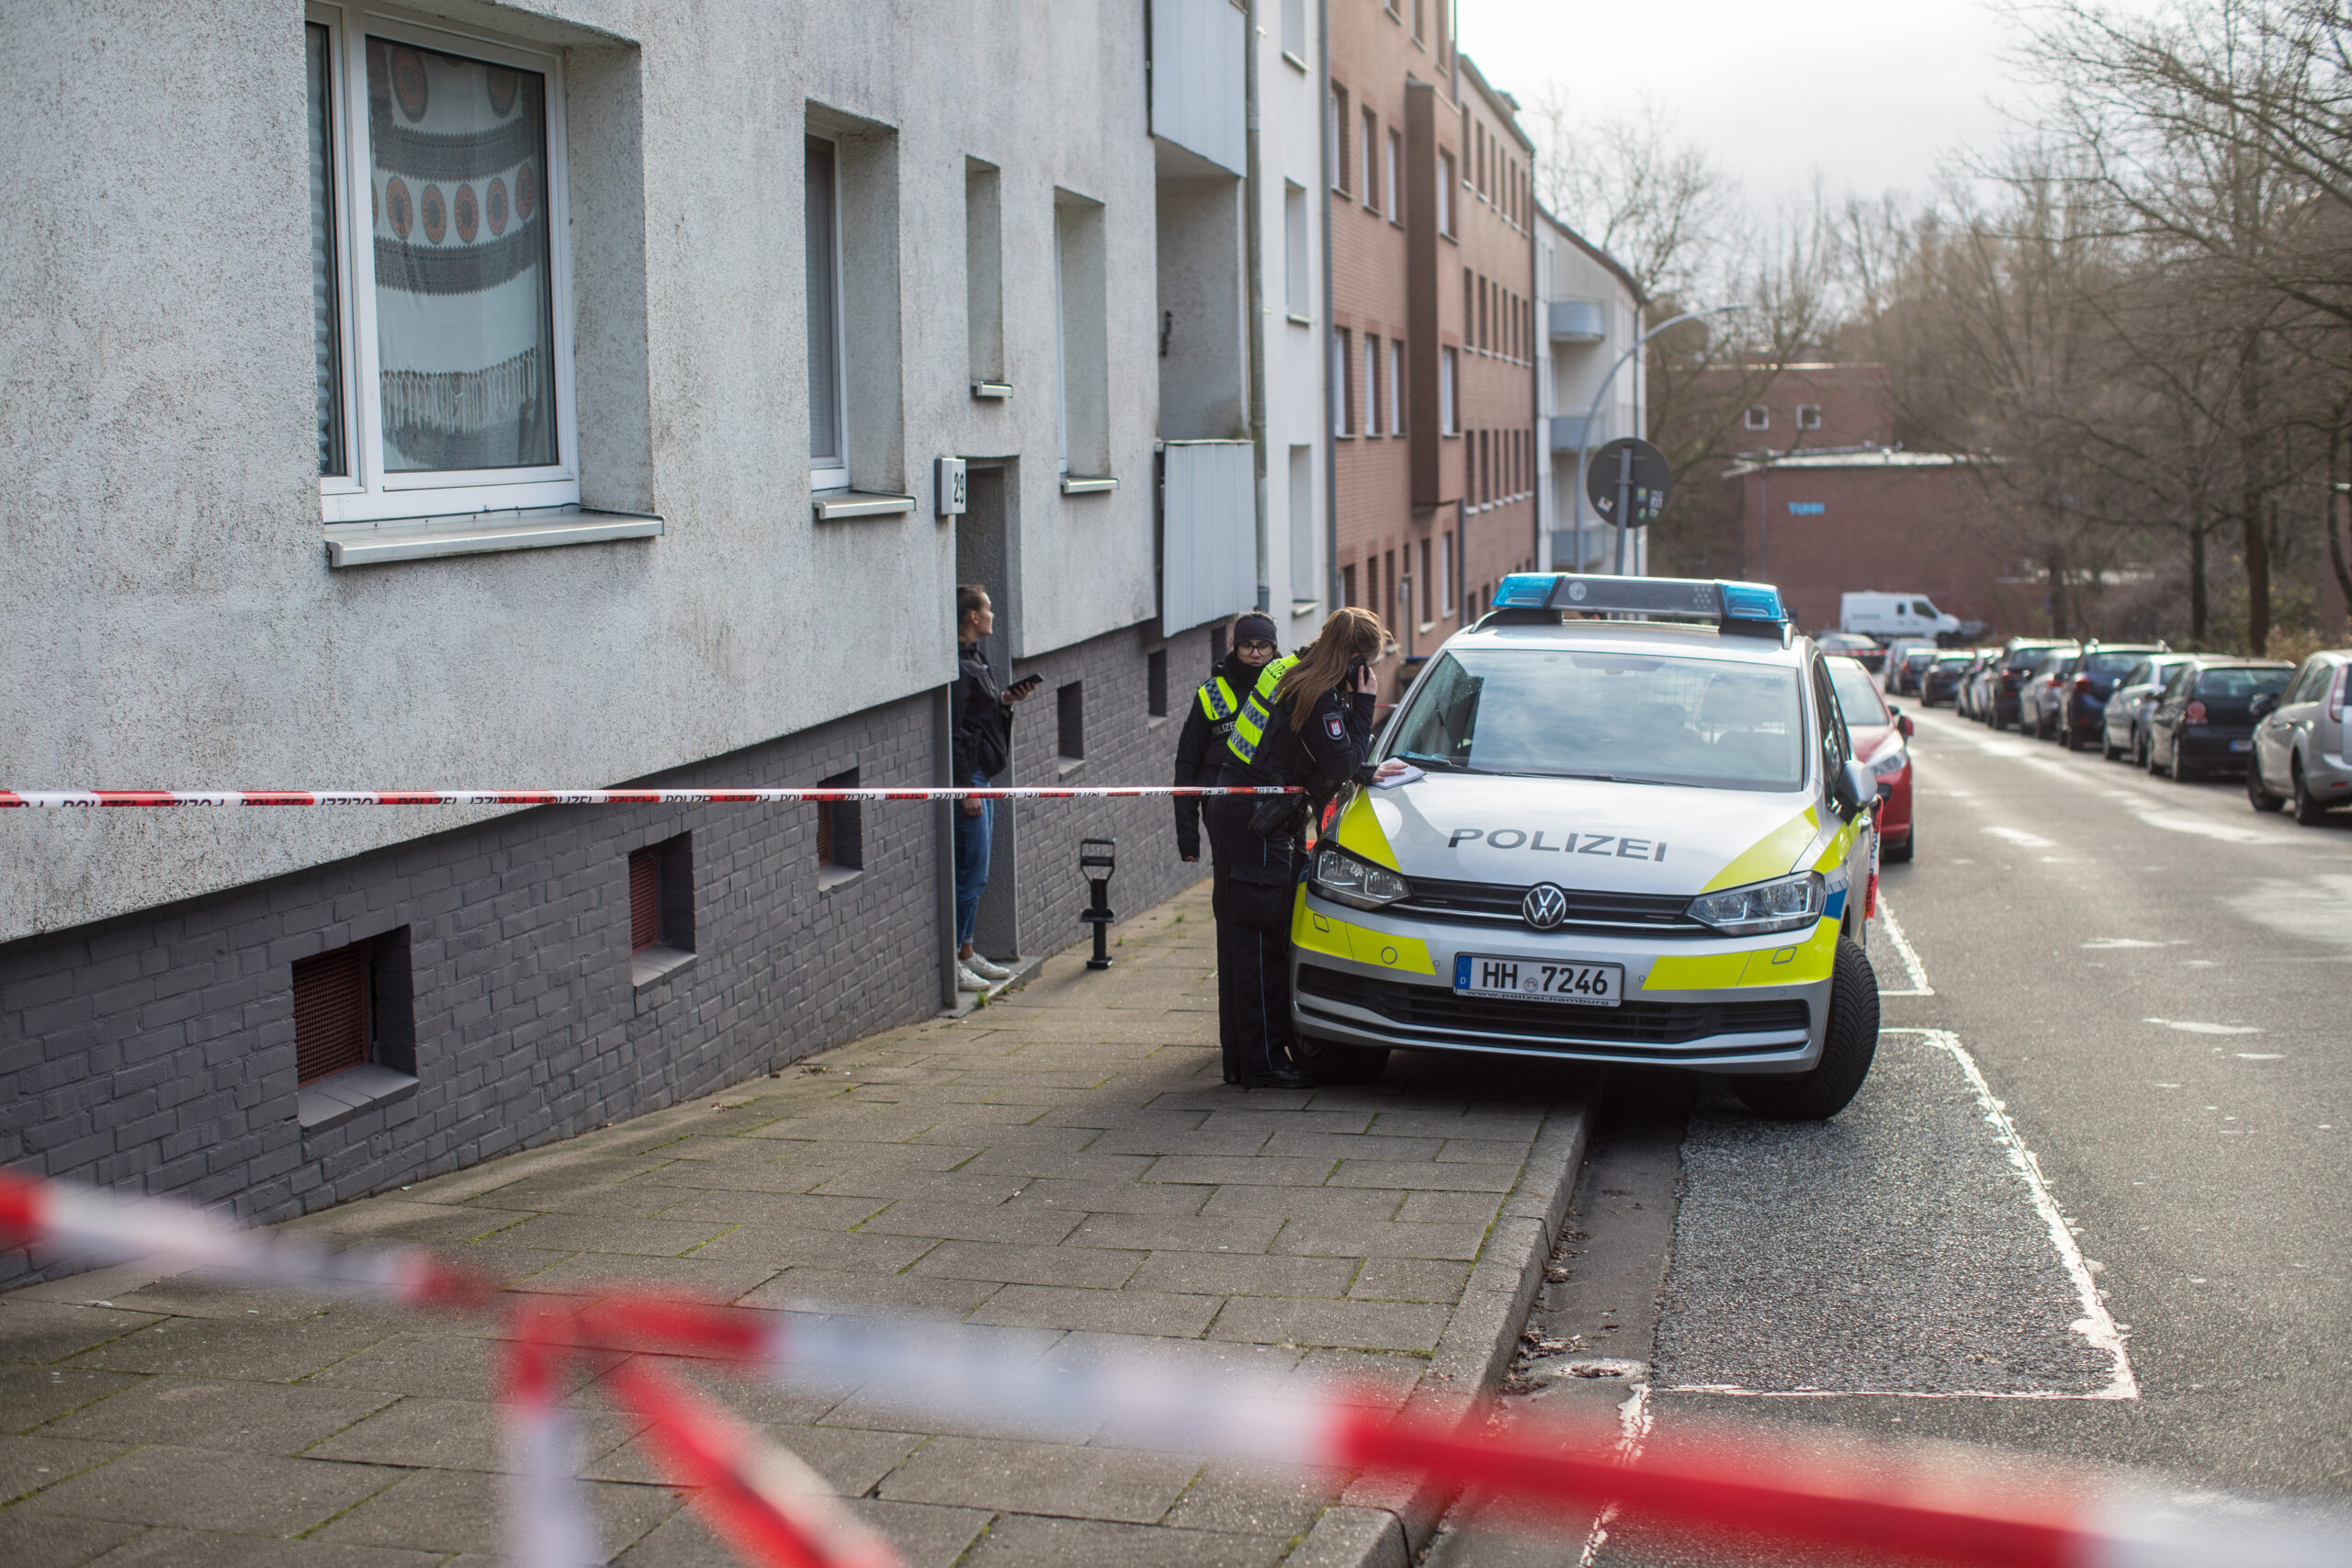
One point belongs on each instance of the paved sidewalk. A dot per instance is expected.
(1064, 1161)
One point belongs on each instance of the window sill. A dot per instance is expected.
(647, 964)
(993, 390)
(1065, 766)
(1296, 60)
(834, 505)
(830, 877)
(332, 1101)
(1156, 721)
(1088, 484)
(481, 533)
(1298, 320)
(1305, 607)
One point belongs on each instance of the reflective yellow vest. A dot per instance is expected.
(1216, 699)
(1250, 727)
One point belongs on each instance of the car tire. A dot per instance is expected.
(1851, 1040)
(1327, 1063)
(1897, 854)
(2310, 810)
(2107, 749)
(2175, 766)
(2256, 796)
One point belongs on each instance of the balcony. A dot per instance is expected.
(1577, 321)
(1569, 433)
(1196, 66)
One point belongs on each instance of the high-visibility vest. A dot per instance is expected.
(1216, 699)
(1250, 727)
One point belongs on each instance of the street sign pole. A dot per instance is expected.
(1624, 501)
(1627, 484)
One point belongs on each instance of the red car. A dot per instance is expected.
(1881, 738)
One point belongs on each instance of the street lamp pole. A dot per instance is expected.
(1584, 453)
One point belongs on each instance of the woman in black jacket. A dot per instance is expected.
(1307, 723)
(1200, 746)
(980, 722)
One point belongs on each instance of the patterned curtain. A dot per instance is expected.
(464, 324)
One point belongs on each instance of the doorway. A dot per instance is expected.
(985, 554)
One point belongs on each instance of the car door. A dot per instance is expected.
(1836, 750)
(2276, 734)
(2166, 715)
(2126, 696)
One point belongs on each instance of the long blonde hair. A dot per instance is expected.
(1350, 634)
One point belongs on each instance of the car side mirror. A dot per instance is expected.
(2263, 703)
(1903, 722)
(1853, 787)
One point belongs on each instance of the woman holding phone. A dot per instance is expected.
(1306, 724)
(981, 724)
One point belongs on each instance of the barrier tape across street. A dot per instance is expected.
(85, 798)
(763, 1504)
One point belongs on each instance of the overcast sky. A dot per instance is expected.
(1869, 92)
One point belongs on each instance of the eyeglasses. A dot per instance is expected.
(1253, 647)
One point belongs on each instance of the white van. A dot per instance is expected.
(1892, 614)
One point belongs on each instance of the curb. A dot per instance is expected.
(1386, 1523)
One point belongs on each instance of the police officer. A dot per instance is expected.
(1306, 723)
(1200, 752)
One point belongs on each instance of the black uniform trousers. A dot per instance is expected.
(1252, 876)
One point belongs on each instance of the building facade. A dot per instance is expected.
(1590, 313)
(1495, 259)
(566, 407)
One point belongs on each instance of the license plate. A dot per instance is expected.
(1533, 980)
(2241, 745)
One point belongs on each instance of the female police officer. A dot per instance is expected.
(1306, 724)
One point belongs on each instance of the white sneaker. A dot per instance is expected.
(968, 981)
(987, 969)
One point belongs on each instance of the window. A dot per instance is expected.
(1343, 393)
(1448, 368)
(1445, 193)
(1396, 590)
(1081, 339)
(1372, 582)
(984, 269)
(333, 1013)
(1371, 384)
(1294, 256)
(1808, 416)
(1295, 29)
(1426, 585)
(1305, 585)
(1420, 28)
(828, 437)
(1485, 467)
(1388, 177)
(1155, 684)
(1337, 132)
(1370, 154)
(1758, 417)
(1469, 308)
(661, 900)
(440, 302)
(1395, 386)
(1348, 585)
(1486, 316)
(1445, 574)
(840, 830)
(1069, 722)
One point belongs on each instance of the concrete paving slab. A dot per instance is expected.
(204, 1489)
(32, 1395)
(34, 1540)
(202, 1412)
(30, 1464)
(50, 1331)
(464, 1510)
(1038, 1478)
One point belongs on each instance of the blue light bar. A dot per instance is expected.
(1739, 605)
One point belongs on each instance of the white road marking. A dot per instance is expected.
(2262, 1055)
(2107, 943)
(1903, 950)
(2096, 1325)
(2187, 1027)
(2203, 828)
(1634, 1420)
(2022, 838)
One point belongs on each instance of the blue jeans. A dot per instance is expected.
(972, 835)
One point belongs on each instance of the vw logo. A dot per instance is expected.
(1544, 906)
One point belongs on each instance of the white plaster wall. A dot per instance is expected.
(1290, 144)
(1568, 374)
(165, 597)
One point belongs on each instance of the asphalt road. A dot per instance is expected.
(2096, 1199)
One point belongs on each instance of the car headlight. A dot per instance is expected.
(1357, 883)
(1785, 903)
(1889, 762)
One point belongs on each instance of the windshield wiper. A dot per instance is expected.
(1422, 758)
(1608, 778)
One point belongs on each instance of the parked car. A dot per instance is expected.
(1882, 736)
(1968, 701)
(2303, 745)
(2081, 708)
(2017, 659)
(1940, 681)
(2204, 721)
(1903, 670)
(1867, 651)
(2124, 726)
(2038, 693)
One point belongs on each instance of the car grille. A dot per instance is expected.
(1495, 903)
(1629, 1023)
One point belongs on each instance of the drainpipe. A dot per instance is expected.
(1253, 265)
(1323, 349)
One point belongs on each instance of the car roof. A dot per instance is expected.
(1688, 640)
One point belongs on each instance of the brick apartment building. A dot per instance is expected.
(1432, 329)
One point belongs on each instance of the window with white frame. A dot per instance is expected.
(1395, 386)
(1445, 193)
(1808, 416)
(1758, 417)
(1446, 574)
(441, 303)
(1388, 178)
(1370, 153)
(1336, 107)
(1295, 29)
(1448, 368)
(828, 423)
(1343, 394)
(1371, 384)
(1294, 256)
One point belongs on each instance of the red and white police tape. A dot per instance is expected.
(86, 797)
(1912, 1503)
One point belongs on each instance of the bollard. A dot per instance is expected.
(1098, 855)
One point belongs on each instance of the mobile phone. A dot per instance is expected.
(1357, 669)
(1027, 684)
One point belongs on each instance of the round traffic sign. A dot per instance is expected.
(1650, 481)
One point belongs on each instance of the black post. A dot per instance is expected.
(1098, 855)
(1624, 504)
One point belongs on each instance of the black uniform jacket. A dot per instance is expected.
(1334, 747)
(979, 720)
(1201, 750)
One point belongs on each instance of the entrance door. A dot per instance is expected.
(984, 549)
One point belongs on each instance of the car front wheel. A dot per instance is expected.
(1846, 1052)
(2176, 767)
(2310, 810)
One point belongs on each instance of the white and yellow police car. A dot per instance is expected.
(1634, 831)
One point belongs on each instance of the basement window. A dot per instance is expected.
(355, 1035)
(661, 910)
(841, 835)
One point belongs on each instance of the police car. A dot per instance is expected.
(1634, 831)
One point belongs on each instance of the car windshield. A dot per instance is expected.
(1857, 696)
(2241, 683)
(2110, 663)
(1629, 717)
(2027, 658)
(1919, 656)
